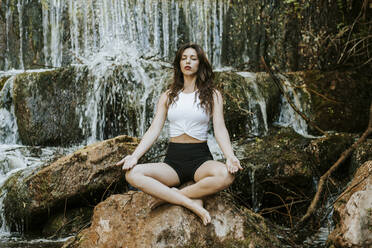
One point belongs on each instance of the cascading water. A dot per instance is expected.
(8, 124)
(110, 87)
(256, 106)
(74, 31)
(288, 117)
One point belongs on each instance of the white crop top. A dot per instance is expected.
(185, 116)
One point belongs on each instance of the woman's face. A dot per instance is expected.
(189, 62)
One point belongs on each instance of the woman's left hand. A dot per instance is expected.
(233, 164)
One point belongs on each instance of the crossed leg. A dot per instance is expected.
(211, 177)
(156, 179)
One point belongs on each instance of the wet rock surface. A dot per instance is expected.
(82, 178)
(45, 106)
(353, 212)
(251, 102)
(56, 107)
(127, 221)
(281, 167)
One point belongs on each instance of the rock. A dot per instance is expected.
(325, 151)
(46, 104)
(56, 107)
(353, 212)
(82, 178)
(251, 102)
(276, 164)
(286, 33)
(283, 166)
(361, 155)
(65, 224)
(126, 221)
(3, 80)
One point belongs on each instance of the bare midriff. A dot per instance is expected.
(184, 138)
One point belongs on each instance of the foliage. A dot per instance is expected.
(350, 44)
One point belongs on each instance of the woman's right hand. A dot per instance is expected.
(129, 161)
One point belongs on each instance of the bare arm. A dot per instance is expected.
(150, 136)
(222, 135)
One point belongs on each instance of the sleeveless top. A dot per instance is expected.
(186, 115)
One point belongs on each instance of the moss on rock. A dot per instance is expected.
(67, 223)
(3, 81)
(45, 107)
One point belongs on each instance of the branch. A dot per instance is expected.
(277, 82)
(310, 211)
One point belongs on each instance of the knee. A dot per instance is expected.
(226, 177)
(131, 175)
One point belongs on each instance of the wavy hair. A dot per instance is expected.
(204, 78)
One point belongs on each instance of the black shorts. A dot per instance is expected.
(186, 158)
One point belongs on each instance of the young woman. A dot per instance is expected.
(190, 102)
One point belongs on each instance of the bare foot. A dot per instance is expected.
(202, 213)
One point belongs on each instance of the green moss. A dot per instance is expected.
(3, 81)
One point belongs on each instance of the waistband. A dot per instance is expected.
(187, 151)
(188, 144)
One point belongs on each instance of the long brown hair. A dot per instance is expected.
(204, 78)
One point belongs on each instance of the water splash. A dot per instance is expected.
(122, 79)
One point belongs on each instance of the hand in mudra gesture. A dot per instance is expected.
(128, 162)
(233, 164)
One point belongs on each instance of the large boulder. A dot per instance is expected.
(127, 221)
(45, 106)
(282, 168)
(71, 105)
(83, 178)
(353, 212)
(251, 102)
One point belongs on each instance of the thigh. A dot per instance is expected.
(210, 168)
(159, 171)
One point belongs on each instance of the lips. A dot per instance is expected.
(187, 67)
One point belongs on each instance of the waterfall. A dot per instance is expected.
(7, 24)
(8, 124)
(257, 124)
(153, 25)
(288, 117)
